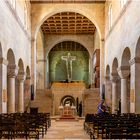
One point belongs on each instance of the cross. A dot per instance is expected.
(69, 60)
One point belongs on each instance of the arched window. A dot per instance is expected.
(123, 2)
(110, 16)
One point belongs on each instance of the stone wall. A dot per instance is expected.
(124, 35)
(14, 36)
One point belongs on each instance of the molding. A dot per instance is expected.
(68, 1)
(134, 60)
(123, 11)
(121, 68)
(3, 61)
(13, 12)
(41, 60)
(123, 71)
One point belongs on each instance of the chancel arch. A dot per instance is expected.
(70, 10)
(124, 73)
(11, 75)
(79, 67)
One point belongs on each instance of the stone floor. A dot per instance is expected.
(66, 130)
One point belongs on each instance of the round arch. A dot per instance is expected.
(68, 98)
(66, 9)
(126, 56)
(54, 43)
(11, 84)
(137, 51)
(107, 70)
(10, 57)
(115, 66)
(27, 71)
(20, 65)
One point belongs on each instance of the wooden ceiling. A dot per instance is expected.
(68, 46)
(68, 23)
(67, 1)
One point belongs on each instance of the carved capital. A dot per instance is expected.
(107, 77)
(114, 77)
(12, 71)
(134, 60)
(28, 77)
(21, 76)
(3, 61)
(123, 71)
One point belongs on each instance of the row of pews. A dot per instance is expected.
(24, 125)
(112, 126)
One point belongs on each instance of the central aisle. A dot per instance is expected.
(66, 130)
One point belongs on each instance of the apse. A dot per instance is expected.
(69, 61)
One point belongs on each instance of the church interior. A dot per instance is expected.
(71, 70)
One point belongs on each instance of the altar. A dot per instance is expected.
(64, 97)
(67, 112)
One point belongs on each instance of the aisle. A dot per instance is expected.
(66, 130)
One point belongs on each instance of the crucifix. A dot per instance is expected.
(69, 60)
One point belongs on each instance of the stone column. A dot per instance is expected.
(33, 64)
(12, 72)
(135, 85)
(21, 78)
(124, 72)
(107, 79)
(27, 92)
(90, 71)
(102, 63)
(114, 93)
(3, 85)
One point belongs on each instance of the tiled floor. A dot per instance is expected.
(66, 130)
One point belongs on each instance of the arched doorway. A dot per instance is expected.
(67, 100)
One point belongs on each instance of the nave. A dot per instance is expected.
(66, 130)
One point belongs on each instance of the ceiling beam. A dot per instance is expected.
(66, 1)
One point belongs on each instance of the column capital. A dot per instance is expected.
(114, 77)
(12, 71)
(28, 77)
(21, 76)
(123, 71)
(134, 60)
(107, 77)
(3, 61)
